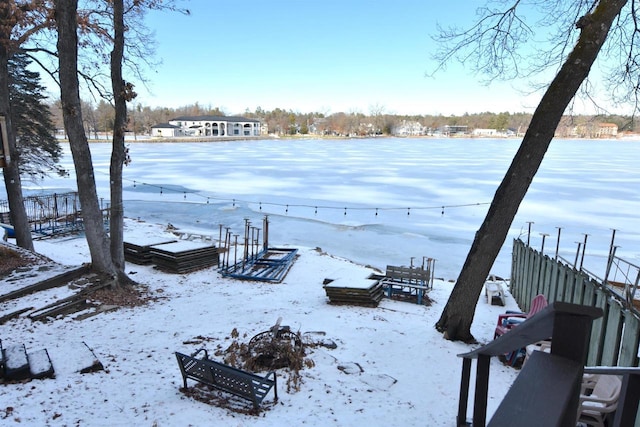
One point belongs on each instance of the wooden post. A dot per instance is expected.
(265, 235)
(482, 391)
(529, 232)
(558, 242)
(628, 406)
(584, 248)
(544, 236)
(612, 250)
(464, 393)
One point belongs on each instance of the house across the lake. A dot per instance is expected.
(203, 126)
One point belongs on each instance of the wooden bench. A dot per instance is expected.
(226, 378)
(398, 279)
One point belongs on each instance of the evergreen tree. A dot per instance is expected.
(38, 149)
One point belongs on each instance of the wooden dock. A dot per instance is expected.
(140, 251)
(184, 256)
(344, 289)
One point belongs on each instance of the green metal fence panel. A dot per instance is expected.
(578, 288)
(598, 329)
(589, 293)
(518, 268)
(535, 279)
(548, 274)
(553, 281)
(630, 340)
(515, 266)
(568, 286)
(615, 337)
(567, 277)
(613, 333)
(524, 296)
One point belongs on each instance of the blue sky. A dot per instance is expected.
(329, 56)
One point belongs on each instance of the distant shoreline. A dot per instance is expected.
(190, 139)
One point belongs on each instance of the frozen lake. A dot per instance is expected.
(381, 201)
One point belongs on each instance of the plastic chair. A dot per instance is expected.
(509, 320)
(598, 398)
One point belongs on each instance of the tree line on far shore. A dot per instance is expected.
(98, 120)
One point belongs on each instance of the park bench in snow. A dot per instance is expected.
(243, 384)
(406, 281)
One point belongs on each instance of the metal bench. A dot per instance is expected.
(243, 384)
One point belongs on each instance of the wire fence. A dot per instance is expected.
(51, 214)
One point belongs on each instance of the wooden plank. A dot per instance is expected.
(589, 297)
(546, 280)
(540, 284)
(184, 257)
(140, 252)
(65, 308)
(630, 340)
(519, 290)
(14, 314)
(613, 333)
(481, 390)
(578, 288)
(342, 295)
(569, 287)
(562, 284)
(535, 271)
(553, 285)
(598, 329)
(52, 282)
(80, 296)
(517, 268)
(527, 294)
(408, 274)
(541, 393)
(369, 297)
(627, 412)
(463, 401)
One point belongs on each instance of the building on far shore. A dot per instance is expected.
(452, 130)
(594, 130)
(607, 130)
(208, 126)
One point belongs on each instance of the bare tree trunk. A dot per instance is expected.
(457, 316)
(118, 152)
(11, 172)
(97, 238)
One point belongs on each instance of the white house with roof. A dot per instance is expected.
(409, 128)
(203, 126)
(165, 130)
(607, 130)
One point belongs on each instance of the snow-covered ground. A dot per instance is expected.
(390, 366)
(362, 202)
